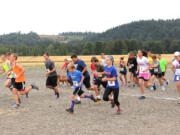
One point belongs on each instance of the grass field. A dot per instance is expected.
(39, 60)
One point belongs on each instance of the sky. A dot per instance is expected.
(51, 17)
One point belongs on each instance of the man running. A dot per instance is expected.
(51, 75)
(81, 66)
(19, 84)
(163, 65)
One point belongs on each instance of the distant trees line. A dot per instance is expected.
(114, 47)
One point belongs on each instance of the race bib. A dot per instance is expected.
(111, 83)
(48, 70)
(177, 71)
(121, 69)
(100, 75)
(177, 78)
(156, 70)
(132, 65)
(142, 69)
(75, 83)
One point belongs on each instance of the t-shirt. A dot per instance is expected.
(143, 64)
(150, 60)
(104, 62)
(163, 64)
(49, 66)
(110, 73)
(6, 67)
(80, 65)
(176, 64)
(93, 69)
(76, 77)
(158, 69)
(132, 63)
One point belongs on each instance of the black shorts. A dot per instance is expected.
(158, 75)
(124, 71)
(12, 82)
(20, 86)
(151, 71)
(163, 74)
(51, 81)
(78, 91)
(87, 82)
(98, 82)
(143, 79)
(133, 71)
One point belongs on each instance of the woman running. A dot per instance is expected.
(123, 72)
(112, 83)
(157, 73)
(143, 70)
(176, 70)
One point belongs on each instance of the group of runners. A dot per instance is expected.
(140, 70)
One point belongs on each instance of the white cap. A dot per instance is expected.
(69, 60)
(177, 53)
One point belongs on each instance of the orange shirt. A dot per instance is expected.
(17, 71)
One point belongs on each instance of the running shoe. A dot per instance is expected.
(19, 102)
(151, 88)
(154, 86)
(57, 95)
(112, 104)
(16, 106)
(77, 102)
(99, 100)
(71, 111)
(34, 86)
(167, 82)
(118, 111)
(27, 95)
(142, 98)
(92, 98)
(163, 88)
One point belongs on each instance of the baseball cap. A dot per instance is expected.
(177, 53)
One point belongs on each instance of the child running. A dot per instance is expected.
(176, 70)
(77, 78)
(112, 83)
(19, 76)
(123, 72)
(51, 75)
(143, 70)
(157, 73)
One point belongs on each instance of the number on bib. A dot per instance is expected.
(111, 83)
(177, 71)
(121, 69)
(156, 70)
(75, 83)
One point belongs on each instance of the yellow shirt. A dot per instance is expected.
(150, 60)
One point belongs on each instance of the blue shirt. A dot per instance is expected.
(76, 78)
(80, 65)
(110, 73)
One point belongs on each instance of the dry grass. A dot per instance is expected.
(39, 60)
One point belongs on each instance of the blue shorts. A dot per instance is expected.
(176, 78)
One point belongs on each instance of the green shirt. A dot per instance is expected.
(163, 64)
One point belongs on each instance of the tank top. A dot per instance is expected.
(17, 71)
(6, 68)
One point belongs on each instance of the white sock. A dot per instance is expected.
(78, 98)
(99, 97)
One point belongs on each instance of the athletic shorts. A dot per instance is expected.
(12, 82)
(163, 73)
(20, 86)
(51, 81)
(98, 82)
(158, 75)
(78, 91)
(151, 71)
(87, 82)
(124, 71)
(176, 78)
(133, 71)
(144, 76)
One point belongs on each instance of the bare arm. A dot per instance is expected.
(82, 79)
(84, 70)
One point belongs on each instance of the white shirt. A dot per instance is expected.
(176, 64)
(104, 62)
(143, 64)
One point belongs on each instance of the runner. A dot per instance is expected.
(112, 83)
(150, 62)
(19, 84)
(163, 65)
(66, 62)
(123, 72)
(176, 70)
(143, 70)
(98, 77)
(5, 69)
(81, 66)
(157, 73)
(77, 78)
(51, 75)
(103, 59)
(132, 65)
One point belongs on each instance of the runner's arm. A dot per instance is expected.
(84, 70)
(82, 79)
